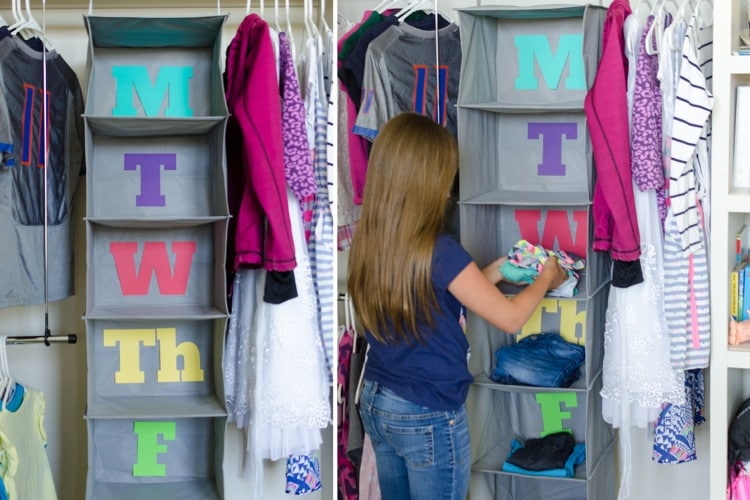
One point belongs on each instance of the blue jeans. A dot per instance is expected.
(420, 453)
(542, 360)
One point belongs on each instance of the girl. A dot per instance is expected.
(408, 280)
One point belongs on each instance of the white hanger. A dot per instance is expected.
(289, 33)
(310, 29)
(29, 27)
(262, 8)
(425, 5)
(705, 13)
(17, 15)
(389, 4)
(683, 10)
(276, 16)
(656, 30)
(247, 8)
(323, 22)
(413, 7)
(642, 16)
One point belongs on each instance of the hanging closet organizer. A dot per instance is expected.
(156, 230)
(524, 77)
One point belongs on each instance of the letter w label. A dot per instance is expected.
(172, 83)
(557, 228)
(154, 261)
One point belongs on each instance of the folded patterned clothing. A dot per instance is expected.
(553, 455)
(525, 261)
(541, 360)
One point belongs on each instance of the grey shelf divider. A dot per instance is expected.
(527, 172)
(156, 230)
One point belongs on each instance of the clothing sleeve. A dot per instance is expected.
(6, 137)
(377, 104)
(449, 259)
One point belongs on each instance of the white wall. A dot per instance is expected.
(650, 481)
(60, 370)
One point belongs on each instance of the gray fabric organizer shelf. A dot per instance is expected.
(527, 172)
(156, 232)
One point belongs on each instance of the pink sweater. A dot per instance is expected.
(261, 232)
(606, 108)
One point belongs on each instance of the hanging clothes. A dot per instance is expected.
(693, 104)
(685, 253)
(347, 472)
(24, 466)
(282, 410)
(674, 432)
(351, 151)
(260, 229)
(23, 168)
(291, 394)
(637, 377)
(321, 240)
(400, 75)
(605, 106)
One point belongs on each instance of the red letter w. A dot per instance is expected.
(153, 261)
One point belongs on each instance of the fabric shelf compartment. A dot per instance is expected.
(182, 54)
(578, 321)
(491, 230)
(599, 485)
(156, 271)
(158, 177)
(150, 368)
(509, 415)
(154, 459)
(500, 46)
(530, 158)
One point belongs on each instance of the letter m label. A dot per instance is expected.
(551, 64)
(154, 261)
(172, 84)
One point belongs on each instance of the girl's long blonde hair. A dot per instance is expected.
(410, 172)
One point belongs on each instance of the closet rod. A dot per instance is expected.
(43, 339)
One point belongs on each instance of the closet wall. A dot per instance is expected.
(60, 370)
(650, 481)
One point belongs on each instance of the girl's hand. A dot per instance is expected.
(552, 272)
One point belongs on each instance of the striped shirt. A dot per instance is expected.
(692, 108)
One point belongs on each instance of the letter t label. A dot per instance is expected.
(151, 165)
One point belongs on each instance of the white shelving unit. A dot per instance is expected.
(729, 373)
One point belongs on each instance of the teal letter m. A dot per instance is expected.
(569, 48)
(171, 81)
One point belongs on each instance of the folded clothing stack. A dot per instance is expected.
(525, 261)
(542, 360)
(554, 455)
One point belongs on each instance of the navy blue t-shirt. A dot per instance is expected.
(433, 372)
